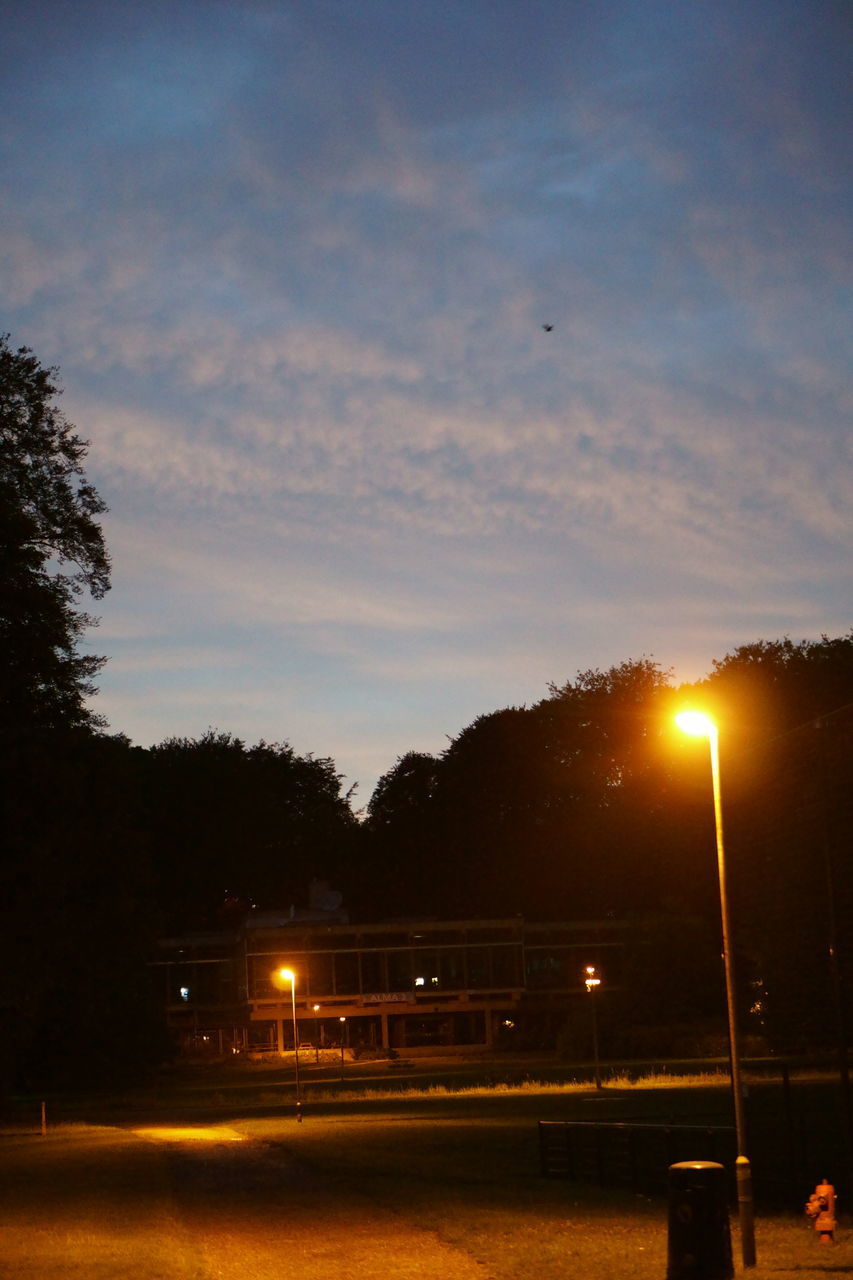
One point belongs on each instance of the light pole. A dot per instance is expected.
(343, 1023)
(316, 1009)
(287, 975)
(592, 982)
(702, 726)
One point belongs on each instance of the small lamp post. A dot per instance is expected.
(287, 975)
(592, 982)
(343, 1023)
(699, 725)
(316, 1009)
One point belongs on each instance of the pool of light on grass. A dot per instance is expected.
(191, 1133)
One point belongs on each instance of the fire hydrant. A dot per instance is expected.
(820, 1206)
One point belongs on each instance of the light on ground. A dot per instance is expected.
(213, 1133)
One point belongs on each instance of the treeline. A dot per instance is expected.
(588, 804)
(106, 847)
(592, 805)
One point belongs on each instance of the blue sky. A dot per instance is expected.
(293, 260)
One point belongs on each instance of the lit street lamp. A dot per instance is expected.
(702, 726)
(287, 975)
(592, 982)
(344, 1028)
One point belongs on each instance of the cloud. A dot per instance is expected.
(294, 263)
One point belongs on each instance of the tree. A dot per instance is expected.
(786, 714)
(570, 807)
(252, 825)
(77, 919)
(75, 906)
(51, 550)
(403, 873)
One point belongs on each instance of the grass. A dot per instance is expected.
(474, 1183)
(382, 1174)
(58, 1223)
(521, 1088)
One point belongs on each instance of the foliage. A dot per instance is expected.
(51, 549)
(588, 805)
(76, 916)
(786, 711)
(232, 826)
(567, 809)
(584, 805)
(399, 857)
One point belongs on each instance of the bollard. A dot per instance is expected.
(700, 1242)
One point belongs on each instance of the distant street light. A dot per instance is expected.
(316, 1009)
(699, 725)
(592, 982)
(344, 1028)
(287, 975)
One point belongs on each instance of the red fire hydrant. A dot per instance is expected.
(820, 1206)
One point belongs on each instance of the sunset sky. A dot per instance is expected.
(293, 260)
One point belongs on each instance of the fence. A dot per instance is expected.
(628, 1155)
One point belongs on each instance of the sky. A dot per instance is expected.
(294, 260)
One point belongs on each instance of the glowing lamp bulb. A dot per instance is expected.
(696, 723)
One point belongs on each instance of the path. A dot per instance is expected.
(114, 1205)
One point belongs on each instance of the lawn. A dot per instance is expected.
(421, 1182)
(467, 1168)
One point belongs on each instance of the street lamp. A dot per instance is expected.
(344, 1028)
(592, 982)
(699, 725)
(287, 975)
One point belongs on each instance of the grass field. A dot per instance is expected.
(475, 1181)
(442, 1166)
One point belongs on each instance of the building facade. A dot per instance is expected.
(418, 986)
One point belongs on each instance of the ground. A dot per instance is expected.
(415, 1186)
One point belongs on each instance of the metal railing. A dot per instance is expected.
(627, 1155)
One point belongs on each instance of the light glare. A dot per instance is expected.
(696, 723)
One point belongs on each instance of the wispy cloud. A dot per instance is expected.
(294, 264)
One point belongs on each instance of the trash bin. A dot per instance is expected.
(700, 1242)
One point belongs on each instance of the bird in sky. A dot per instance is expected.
(547, 327)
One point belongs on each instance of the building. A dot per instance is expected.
(418, 986)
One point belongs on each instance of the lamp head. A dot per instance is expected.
(696, 723)
(287, 975)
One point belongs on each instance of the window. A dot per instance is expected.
(505, 966)
(546, 967)
(425, 963)
(478, 967)
(451, 962)
(399, 971)
(320, 973)
(373, 971)
(346, 973)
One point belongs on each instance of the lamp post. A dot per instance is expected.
(699, 725)
(592, 982)
(316, 1009)
(287, 975)
(343, 1023)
